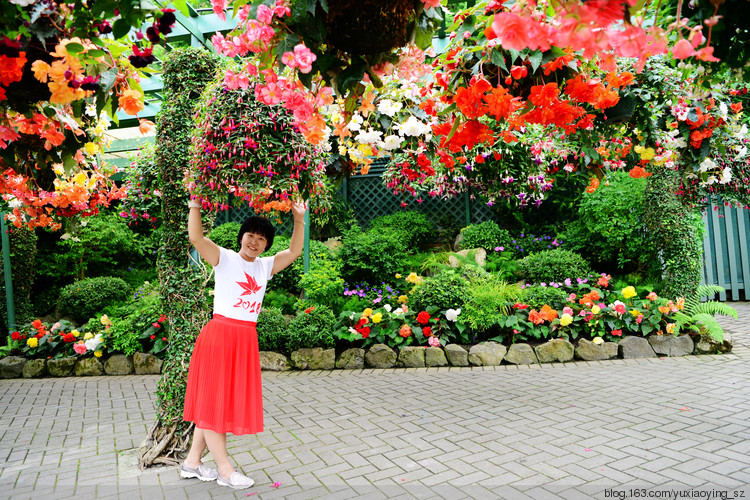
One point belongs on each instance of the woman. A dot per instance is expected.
(224, 385)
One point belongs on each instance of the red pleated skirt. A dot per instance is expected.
(224, 391)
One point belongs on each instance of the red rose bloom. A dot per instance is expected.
(423, 318)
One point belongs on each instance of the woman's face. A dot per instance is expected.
(252, 246)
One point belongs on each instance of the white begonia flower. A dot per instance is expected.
(92, 344)
(707, 165)
(726, 175)
(412, 127)
(392, 142)
(389, 107)
(369, 137)
(14, 202)
(711, 180)
(598, 340)
(356, 154)
(741, 152)
(91, 109)
(356, 122)
(66, 236)
(723, 110)
(352, 330)
(387, 307)
(452, 314)
(23, 3)
(681, 113)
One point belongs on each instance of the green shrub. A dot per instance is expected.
(323, 284)
(132, 324)
(415, 228)
(279, 299)
(610, 230)
(552, 266)
(288, 280)
(488, 303)
(447, 290)
(82, 299)
(371, 256)
(312, 328)
(537, 296)
(487, 235)
(22, 244)
(272, 330)
(225, 235)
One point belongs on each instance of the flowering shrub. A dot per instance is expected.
(43, 340)
(594, 310)
(60, 82)
(141, 207)
(254, 151)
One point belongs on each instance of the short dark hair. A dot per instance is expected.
(257, 225)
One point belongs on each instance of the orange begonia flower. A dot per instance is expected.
(130, 102)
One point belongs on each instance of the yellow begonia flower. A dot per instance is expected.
(80, 178)
(598, 340)
(91, 148)
(367, 312)
(566, 319)
(629, 292)
(377, 318)
(98, 354)
(648, 154)
(105, 320)
(398, 275)
(88, 335)
(670, 327)
(32, 342)
(412, 278)
(76, 333)
(635, 312)
(402, 299)
(595, 309)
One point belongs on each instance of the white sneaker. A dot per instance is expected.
(237, 481)
(202, 472)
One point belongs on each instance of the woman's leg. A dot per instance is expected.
(197, 447)
(217, 444)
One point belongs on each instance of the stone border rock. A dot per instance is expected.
(382, 356)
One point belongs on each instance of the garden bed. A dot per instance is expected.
(381, 356)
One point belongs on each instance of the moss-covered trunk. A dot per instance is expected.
(186, 72)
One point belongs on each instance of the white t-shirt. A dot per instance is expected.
(240, 285)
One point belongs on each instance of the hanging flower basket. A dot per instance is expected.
(365, 27)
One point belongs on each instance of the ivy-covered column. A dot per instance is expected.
(677, 229)
(186, 72)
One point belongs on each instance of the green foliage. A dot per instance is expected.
(487, 235)
(323, 284)
(185, 74)
(370, 256)
(22, 246)
(610, 230)
(552, 266)
(133, 324)
(281, 300)
(697, 313)
(288, 279)
(142, 206)
(446, 290)
(677, 232)
(537, 296)
(272, 330)
(82, 299)
(488, 303)
(415, 228)
(312, 328)
(502, 264)
(225, 235)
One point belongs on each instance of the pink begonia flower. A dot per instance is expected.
(264, 14)
(219, 8)
(268, 94)
(572, 297)
(706, 54)
(434, 342)
(682, 49)
(697, 38)
(287, 58)
(652, 296)
(568, 310)
(431, 3)
(234, 81)
(639, 319)
(304, 58)
(512, 30)
(79, 348)
(281, 10)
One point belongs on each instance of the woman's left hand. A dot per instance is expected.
(298, 210)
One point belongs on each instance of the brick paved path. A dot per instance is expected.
(574, 430)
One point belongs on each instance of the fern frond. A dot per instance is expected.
(681, 319)
(713, 308)
(713, 328)
(703, 291)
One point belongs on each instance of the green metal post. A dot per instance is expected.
(467, 208)
(8, 278)
(306, 248)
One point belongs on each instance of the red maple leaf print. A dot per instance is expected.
(250, 287)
